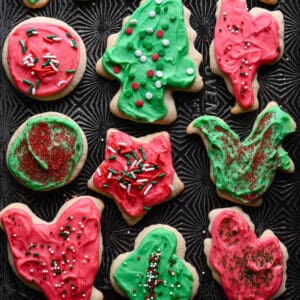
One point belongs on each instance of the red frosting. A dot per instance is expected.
(242, 44)
(249, 268)
(44, 55)
(137, 175)
(62, 259)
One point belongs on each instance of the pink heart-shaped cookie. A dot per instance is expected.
(246, 266)
(60, 258)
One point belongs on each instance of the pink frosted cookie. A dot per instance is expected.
(156, 268)
(137, 173)
(152, 56)
(44, 58)
(60, 258)
(247, 267)
(35, 4)
(243, 41)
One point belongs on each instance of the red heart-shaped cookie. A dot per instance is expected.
(246, 266)
(61, 258)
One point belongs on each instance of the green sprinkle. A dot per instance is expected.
(112, 171)
(30, 89)
(130, 46)
(35, 60)
(147, 208)
(135, 155)
(161, 52)
(46, 63)
(142, 153)
(127, 155)
(125, 182)
(73, 43)
(154, 182)
(112, 157)
(120, 178)
(143, 34)
(68, 34)
(37, 83)
(165, 26)
(36, 255)
(51, 37)
(21, 42)
(161, 175)
(27, 82)
(129, 163)
(70, 71)
(105, 185)
(141, 186)
(137, 171)
(157, 10)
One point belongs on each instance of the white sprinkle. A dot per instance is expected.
(166, 42)
(146, 165)
(57, 39)
(149, 30)
(133, 175)
(143, 58)
(98, 172)
(128, 188)
(126, 168)
(158, 84)
(142, 180)
(53, 67)
(171, 187)
(71, 44)
(152, 14)
(111, 149)
(32, 73)
(29, 64)
(133, 21)
(139, 162)
(33, 91)
(138, 53)
(149, 96)
(147, 189)
(35, 32)
(123, 186)
(109, 175)
(49, 56)
(122, 144)
(55, 61)
(158, 1)
(31, 59)
(27, 57)
(134, 164)
(61, 83)
(159, 74)
(190, 71)
(149, 169)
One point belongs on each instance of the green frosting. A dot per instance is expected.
(155, 256)
(33, 1)
(155, 28)
(43, 156)
(245, 169)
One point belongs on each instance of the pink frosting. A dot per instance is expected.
(249, 268)
(63, 53)
(156, 169)
(242, 44)
(62, 258)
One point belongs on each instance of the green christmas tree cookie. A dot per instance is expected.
(155, 269)
(151, 56)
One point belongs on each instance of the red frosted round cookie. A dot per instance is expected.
(44, 58)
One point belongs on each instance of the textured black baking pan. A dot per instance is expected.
(88, 105)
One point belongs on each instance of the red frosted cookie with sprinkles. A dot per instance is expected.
(137, 173)
(60, 258)
(35, 4)
(44, 58)
(243, 42)
(152, 56)
(246, 266)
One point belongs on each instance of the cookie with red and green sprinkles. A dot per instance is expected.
(137, 173)
(47, 151)
(44, 58)
(152, 56)
(156, 268)
(35, 4)
(59, 258)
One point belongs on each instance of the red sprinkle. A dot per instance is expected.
(117, 69)
(135, 86)
(155, 57)
(150, 73)
(159, 33)
(128, 30)
(139, 103)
